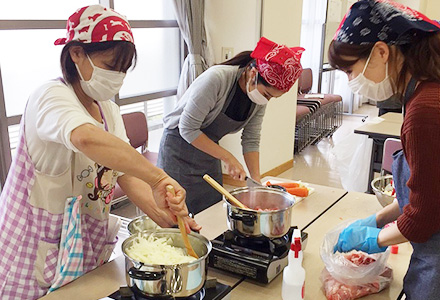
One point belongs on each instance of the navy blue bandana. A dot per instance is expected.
(370, 21)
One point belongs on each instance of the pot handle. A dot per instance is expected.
(247, 219)
(145, 275)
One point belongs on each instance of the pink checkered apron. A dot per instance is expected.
(30, 234)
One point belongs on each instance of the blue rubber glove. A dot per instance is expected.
(368, 221)
(361, 238)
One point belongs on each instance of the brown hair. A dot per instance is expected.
(244, 59)
(421, 58)
(124, 56)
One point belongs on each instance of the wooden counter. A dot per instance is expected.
(94, 285)
(213, 219)
(352, 206)
(106, 279)
(312, 207)
(393, 117)
(382, 130)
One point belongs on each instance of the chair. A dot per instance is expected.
(137, 132)
(390, 146)
(302, 134)
(325, 113)
(305, 83)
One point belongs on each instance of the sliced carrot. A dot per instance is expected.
(298, 191)
(288, 184)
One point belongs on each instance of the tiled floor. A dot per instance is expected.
(315, 164)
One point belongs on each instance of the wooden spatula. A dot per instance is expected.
(223, 191)
(189, 248)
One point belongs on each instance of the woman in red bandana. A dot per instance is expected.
(224, 99)
(54, 206)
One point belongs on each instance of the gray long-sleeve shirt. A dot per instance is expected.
(203, 102)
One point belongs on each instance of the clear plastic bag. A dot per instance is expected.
(353, 155)
(344, 270)
(335, 290)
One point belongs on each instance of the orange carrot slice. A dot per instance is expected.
(298, 191)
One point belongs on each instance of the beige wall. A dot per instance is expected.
(281, 23)
(232, 23)
(430, 8)
(414, 4)
(236, 24)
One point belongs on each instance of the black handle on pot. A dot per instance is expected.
(247, 219)
(144, 275)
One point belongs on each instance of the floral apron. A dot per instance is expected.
(32, 206)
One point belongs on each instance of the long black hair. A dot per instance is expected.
(244, 60)
(124, 56)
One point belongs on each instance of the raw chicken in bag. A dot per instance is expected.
(355, 274)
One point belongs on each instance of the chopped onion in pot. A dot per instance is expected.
(157, 251)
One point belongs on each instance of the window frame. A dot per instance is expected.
(5, 121)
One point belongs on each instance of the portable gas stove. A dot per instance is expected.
(261, 259)
(213, 291)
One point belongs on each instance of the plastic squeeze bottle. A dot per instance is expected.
(294, 274)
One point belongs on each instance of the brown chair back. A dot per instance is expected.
(305, 81)
(137, 128)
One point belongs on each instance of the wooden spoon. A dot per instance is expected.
(223, 191)
(189, 248)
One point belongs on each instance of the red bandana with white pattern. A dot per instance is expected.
(278, 64)
(96, 23)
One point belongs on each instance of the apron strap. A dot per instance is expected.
(102, 116)
(409, 92)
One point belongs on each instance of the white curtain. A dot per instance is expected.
(313, 18)
(190, 15)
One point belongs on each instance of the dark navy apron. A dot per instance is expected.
(187, 164)
(422, 280)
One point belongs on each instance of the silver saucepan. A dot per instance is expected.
(142, 223)
(181, 280)
(269, 213)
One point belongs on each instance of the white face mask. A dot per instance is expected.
(370, 89)
(255, 94)
(103, 84)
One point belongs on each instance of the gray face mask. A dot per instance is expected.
(375, 91)
(103, 84)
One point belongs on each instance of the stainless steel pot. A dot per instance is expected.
(180, 280)
(141, 223)
(273, 223)
(383, 188)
